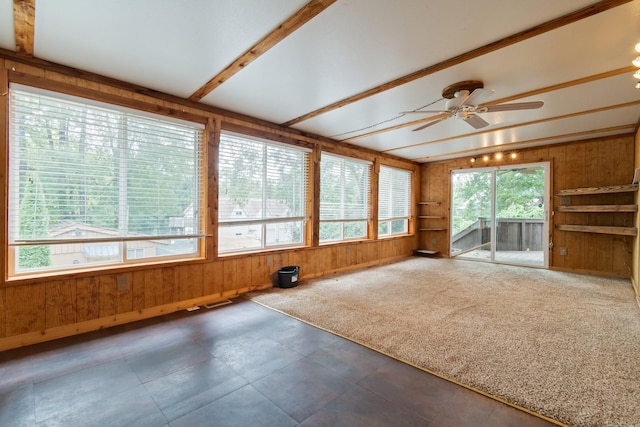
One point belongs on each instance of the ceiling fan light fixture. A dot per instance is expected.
(636, 62)
(638, 85)
(638, 47)
(637, 74)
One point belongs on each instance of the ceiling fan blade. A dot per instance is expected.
(510, 107)
(429, 124)
(423, 111)
(478, 96)
(476, 121)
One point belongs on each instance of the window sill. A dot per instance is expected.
(25, 279)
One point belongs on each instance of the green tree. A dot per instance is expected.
(520, 195)
(33, 225)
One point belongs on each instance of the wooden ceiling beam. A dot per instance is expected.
(553, 24)
(297, 20)
(24, 16)
(517, 145)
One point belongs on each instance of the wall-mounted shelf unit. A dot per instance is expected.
(425, 217)
(430, 203)
(598, 208)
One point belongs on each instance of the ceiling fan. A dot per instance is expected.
(465, 102)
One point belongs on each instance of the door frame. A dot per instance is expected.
(546, 166)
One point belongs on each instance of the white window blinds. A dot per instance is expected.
(83, 171)
(394, 200)
(344, 197)
(262, 193)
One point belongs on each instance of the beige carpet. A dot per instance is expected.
(561, 345)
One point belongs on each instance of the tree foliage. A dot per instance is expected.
(81, 164)
(520, 194)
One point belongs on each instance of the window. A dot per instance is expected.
(262, 194)
(394, 201)
(94, 184)
(344, 198)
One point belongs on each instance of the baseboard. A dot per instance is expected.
(592, 272)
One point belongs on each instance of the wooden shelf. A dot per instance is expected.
(598, 208)
(428, 217)
(600, 229)
(598, 190)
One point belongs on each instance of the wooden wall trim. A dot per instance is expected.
(24, 16)
(211, 187)
(313, 204)
(372, 231)
(4, 166)
(288, 27)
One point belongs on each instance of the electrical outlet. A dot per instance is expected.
(347, 249)
(433, 240)
(563, 250)
(269, 260)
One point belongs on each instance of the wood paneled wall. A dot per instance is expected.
(43, 308)
(635, 258)
(591, 163)
(49, 309)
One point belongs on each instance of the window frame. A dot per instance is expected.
(304, 207)
(366, 192)
(409, 193)
(134, 110)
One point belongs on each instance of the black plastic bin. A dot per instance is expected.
(288, 276)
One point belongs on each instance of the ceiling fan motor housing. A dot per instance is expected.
(449, 92)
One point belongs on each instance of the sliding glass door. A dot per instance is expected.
(499, 214)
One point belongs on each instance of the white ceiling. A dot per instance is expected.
(177, 46)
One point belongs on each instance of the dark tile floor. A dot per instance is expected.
(236, 365)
